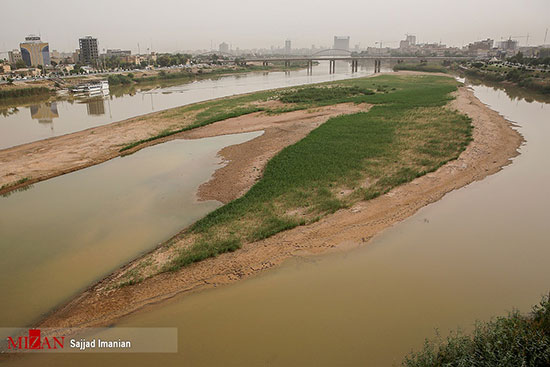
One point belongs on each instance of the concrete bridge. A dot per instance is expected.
(354, 60)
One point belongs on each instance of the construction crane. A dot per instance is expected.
(384, 42)
(526, 41)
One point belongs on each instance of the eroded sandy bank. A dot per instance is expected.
(44, 159)
(494, 143)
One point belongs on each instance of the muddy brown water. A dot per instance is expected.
(479, 252)
(63, 234)
(40, 120)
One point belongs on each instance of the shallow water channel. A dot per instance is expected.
(63, 234)
(479, 252)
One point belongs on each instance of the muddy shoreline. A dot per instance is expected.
(494, 144)
(26, 164)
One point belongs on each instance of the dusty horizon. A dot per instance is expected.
(172, 26)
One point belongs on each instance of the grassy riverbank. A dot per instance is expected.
(536, 81)
(407, 134)
(21, 93)
(515, 340)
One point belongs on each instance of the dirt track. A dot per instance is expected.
(494, 143)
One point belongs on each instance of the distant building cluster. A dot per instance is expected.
(34, 56)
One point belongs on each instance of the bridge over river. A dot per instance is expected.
(354, 60)
(331, 55)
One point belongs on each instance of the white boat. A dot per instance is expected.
(102, 85)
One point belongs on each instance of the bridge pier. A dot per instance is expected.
(377, 63)
(354, 66)
(332, 66)
(310, 67)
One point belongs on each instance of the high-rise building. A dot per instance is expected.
(89, 53)
(224, 47)
(508, 45)
(288, 47)
(14, 56)
(411, 39)
(404, 44)
(34, 52)
(341, 43)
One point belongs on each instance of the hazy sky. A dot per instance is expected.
(170, 25)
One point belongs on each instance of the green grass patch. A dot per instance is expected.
(204, 120)
(203, 250)
(515, 340)
(430, 68)
(349, 158)
(322, 94)
(16, 183)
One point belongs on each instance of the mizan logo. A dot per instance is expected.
(34, 341)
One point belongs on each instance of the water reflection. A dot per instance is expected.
(96, 106)
(8, 111)
(44, 112)
(512, 91)
(125, 102)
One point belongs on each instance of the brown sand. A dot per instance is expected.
(246, 161)
(44, 159)
(494, 144)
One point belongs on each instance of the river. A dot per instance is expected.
(61, 235)
(479, 252)
(40, 120)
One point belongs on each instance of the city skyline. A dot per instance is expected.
(170, 26)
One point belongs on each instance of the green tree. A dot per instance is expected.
(20, 64)
(164, 60)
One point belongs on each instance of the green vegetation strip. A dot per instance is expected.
(18, 182)
(515, 340)
(430, 68)
(537, 81)
(222, 109)
(24, 92)
(406, 134)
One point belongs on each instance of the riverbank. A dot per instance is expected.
(494, 143)
(515, 340)
(197, 73)
(27, 164)
(530, 80)
(11, 94)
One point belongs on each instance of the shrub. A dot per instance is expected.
(514, 340)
